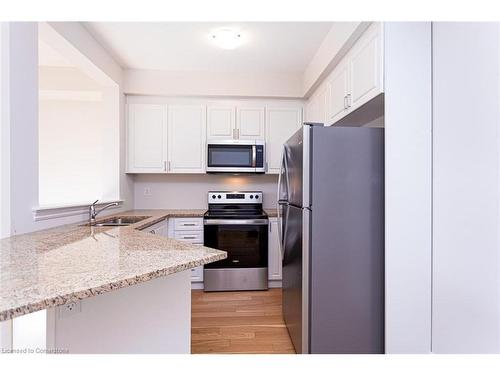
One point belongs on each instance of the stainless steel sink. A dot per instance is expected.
(121, 221)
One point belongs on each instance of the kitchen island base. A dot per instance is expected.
(147, 318)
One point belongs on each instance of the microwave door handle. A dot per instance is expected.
(254, 156)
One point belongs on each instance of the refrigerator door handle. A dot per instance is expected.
(280, 229)
(280, 173)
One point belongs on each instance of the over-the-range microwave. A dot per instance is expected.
(235, 156)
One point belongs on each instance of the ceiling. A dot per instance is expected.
(269, 47)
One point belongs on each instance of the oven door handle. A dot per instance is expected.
(235, 221)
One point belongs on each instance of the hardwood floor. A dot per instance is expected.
(238, 322)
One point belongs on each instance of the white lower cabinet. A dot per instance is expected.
(186, 229)
(274, 264)
(160, 228)
(189, 229)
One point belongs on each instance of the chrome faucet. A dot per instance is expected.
(93, 213)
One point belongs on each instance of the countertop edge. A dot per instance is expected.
(105, 288)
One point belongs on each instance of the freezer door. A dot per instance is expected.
(292, 276)
(293, 154)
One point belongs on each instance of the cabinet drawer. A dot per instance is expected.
(195, 237)
(197, 274)
(188, 223)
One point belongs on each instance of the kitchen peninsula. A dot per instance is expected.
(85, 289)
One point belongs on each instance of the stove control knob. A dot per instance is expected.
(218, 196)
(256, 197)
(213, 196)
(251, 196)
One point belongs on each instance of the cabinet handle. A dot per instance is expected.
(267, 167)
(188, 224)
(348, 100)
(345, 100)
(165, 166)
(153, 231)
(169, 165)
(234, 133)
(189, 237)
(237, 133)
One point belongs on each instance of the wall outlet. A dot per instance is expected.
(69, 309)
(147, 192)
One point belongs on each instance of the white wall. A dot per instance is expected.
(190, 191)
(100, 61)
(71, 169)
(5, 326)
(151, 82)
(4, 132)
(408, 187)
(79, 143)
(466, 103)
(23, 97)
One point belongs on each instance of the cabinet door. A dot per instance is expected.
(315, 107)
(250, 123)
(220, 122)
(281, 123)
(275, 265)
(186, 138)
(160, 228)
(365, 67)
(147, 138)
(338, 88)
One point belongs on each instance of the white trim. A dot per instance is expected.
(5, 169)
(53, 212)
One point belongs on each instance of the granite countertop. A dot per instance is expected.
(71, 262)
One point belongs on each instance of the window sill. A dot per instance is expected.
(57, 211)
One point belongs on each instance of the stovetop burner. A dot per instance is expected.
(235, 205)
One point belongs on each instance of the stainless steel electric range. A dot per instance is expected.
(235, 222)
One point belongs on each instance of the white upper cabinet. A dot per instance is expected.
(221, 122)
(337, 92)
(281, 123)
(172, 137)
(366, 79)
(235, 122)
(250, 123)
(315, 110)
(186, 138)
(357, 78)
(146, 138)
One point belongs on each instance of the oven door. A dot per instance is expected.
(245, 241)
(231, 156)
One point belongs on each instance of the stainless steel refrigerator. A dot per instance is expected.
(331, 221)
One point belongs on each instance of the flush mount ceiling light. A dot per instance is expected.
(226, 38)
